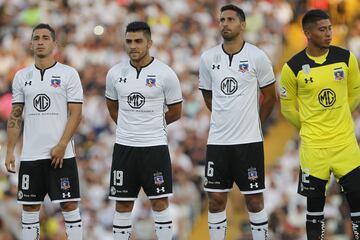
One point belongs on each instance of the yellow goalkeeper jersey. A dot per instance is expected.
(318, 94)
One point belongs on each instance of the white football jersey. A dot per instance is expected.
(142, 96)
(45, 95)
(235, 82)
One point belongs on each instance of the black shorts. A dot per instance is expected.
(310, 186)
(38, 178)
(136, 167)
(242, 164)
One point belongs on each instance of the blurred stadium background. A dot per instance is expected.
(90, 36)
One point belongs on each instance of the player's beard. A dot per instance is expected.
(230, 36)
(140, 58)
(322, 46)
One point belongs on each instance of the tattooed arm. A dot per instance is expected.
(13, 132)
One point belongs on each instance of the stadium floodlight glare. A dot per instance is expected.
(98, 30)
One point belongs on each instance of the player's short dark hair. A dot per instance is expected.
(138, 26)
(313, 16)
(236, 9)
(45, 26)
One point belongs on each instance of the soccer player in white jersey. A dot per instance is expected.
(232, 76)
(143, 97)
(50, 95)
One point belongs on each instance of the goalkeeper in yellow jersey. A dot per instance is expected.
(319, 88)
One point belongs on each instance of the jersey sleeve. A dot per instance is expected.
(204, 75)
(353, 83)
(17, 90)
(172, 89)
(288, 96)
(264, 70)
(110, 91)
(74, 89)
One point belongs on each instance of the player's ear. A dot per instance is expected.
(243, 26)
(150, 42)
(307, 33)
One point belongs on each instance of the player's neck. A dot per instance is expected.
(233, 46)
(44, 63)
(316, 51)
(142, 62)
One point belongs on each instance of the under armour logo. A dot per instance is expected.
(28, 83)
(252, 185)
(309, 80)
(64, 195)
(122, 80)
(159, 190)
(215, 66)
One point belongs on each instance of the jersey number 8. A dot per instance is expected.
(25, 182)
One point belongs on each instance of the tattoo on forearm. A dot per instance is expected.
(15, 119)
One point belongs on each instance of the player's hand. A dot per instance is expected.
(10, 162)
(57, 155)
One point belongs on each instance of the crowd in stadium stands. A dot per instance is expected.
(181, 31)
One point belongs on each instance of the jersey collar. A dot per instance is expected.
(42, 71)
(139, 70)
(232, 55)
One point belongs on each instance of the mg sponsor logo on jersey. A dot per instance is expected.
(244, 66)
(252, 174)
(150, 81)
(229, 85)
(55, 81)
(41, 102)
(327, 97)
(158, 178)
(338, 74)
(64, 183)
(136, 100)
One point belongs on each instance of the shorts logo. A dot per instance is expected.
(150, 81)
(327, 97)
(159, 190)
(244, 66)
(64, 195)
(338, 74)
(252, 185)
(55, 81)
(252, 174)
(158, 178)
(41, 102)
(64, 183)
(136, 100)
(229, 85)
(112, 190)
(20, 194)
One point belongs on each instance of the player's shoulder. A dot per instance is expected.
(160, 66)
(65, 68)
(26, 72)
(253, 52)
(209, 53)
(253, 48)
(297, 61)
(338, 54)
(119, 66)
